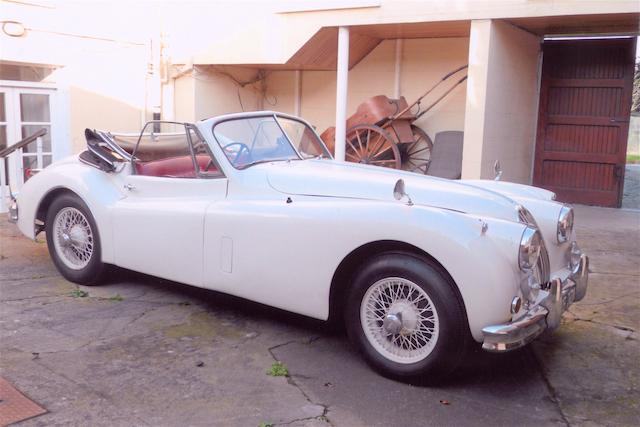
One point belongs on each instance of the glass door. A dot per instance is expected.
(4, 141)
(34, 108)
(23, 112)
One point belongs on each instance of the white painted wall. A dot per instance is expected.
(424, 61)
(101, 68)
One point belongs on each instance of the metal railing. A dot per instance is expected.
(4, 154)
(22, 143)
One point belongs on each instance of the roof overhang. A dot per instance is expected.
(320, 51)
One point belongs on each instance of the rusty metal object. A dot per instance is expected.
(406, 146)
(371, 144)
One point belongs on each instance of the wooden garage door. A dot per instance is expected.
(585, 102)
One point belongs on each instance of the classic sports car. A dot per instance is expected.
(253, 205)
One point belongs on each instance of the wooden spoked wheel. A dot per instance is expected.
(416, 155)
(372, 145)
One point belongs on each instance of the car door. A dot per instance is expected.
(159, 224)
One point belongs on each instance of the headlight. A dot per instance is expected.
(565, 224)
(530, 245)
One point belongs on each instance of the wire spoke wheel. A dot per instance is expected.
(416, 155)
(372, 145)
(399, 320)
(73, 238)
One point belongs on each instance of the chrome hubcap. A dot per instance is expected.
(73, 238)
(393, 323)
(399, 320)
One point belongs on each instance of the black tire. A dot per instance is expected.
(93, 272)
(453, 330)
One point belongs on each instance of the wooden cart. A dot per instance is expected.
(382, 132)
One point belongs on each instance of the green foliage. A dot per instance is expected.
(78, 293)
(265, 424)
(116, 298)
(278, 369)
(633, 158)
(635, 106)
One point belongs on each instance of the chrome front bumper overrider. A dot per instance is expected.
(543, 316)
(13, 211)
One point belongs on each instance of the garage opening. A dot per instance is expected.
(584, 118)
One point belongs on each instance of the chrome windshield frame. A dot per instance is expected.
(267, 114)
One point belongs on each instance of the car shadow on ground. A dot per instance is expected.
(477, 368)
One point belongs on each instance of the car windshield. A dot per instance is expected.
(253, 140)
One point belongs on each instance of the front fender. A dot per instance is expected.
(480, 254)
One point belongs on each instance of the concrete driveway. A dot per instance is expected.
(142, 351)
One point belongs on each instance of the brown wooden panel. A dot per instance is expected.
(320, 52)
(581, 139)
(414, 30)
(620, 23)
(583, 123)
(584, 101)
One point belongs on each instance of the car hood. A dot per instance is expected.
(350, 180)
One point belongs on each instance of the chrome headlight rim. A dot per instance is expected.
(565, 224)
(530, 248)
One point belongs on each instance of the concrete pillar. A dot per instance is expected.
(398, 69)
(341, 92)
(297, 93)
(502, 101)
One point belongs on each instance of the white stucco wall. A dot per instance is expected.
(502, 101)
(101, 76)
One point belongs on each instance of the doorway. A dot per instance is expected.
(583, 123)
(23, 112)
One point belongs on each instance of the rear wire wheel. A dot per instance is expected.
(416, 155)
(74, 241)
(372, 145)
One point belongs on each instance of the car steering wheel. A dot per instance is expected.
(242, 148)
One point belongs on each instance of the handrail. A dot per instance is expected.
(22, 143)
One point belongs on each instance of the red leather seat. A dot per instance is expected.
(174, 167)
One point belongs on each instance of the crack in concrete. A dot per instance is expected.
(99, 338)
(612, 273)
(550, 388)
(84, 386)
(582, 304)
(34, 297)
(32, 277)
(621, 328)
(291, 381)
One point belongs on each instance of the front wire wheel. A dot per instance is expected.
(399, 320)
(405, 315)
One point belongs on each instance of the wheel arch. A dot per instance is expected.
(45, 203)
(342, 276)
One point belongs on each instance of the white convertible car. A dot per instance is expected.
(253, 205)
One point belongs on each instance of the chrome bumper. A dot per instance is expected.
(13, 211)
(544, 316)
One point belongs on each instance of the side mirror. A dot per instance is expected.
(497, 171)
(399, 192)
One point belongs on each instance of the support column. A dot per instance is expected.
(502, 99)
(297, 93)
(398, 69)
(474, 115)
(341, 92)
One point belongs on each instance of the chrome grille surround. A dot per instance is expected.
(542, 270)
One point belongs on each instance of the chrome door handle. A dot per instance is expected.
(129, 187)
